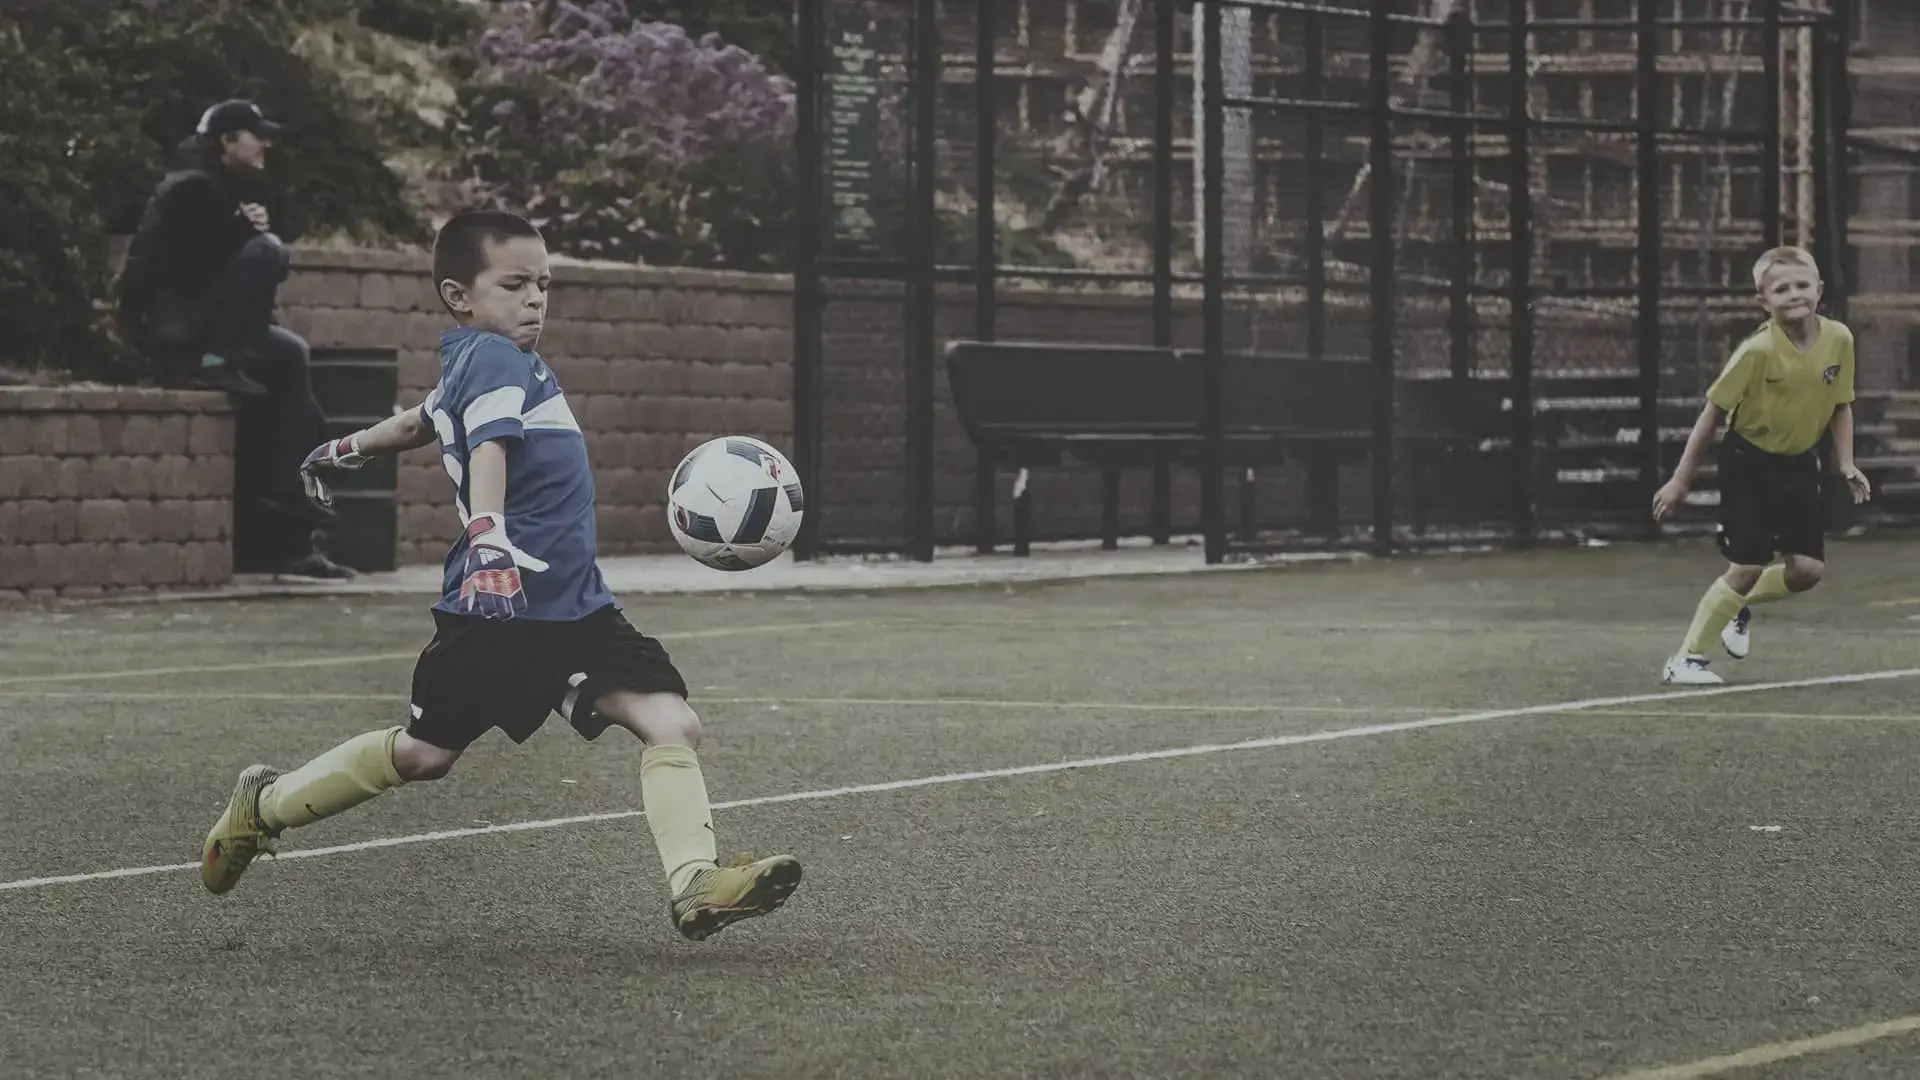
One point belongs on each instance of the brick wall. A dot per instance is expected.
(128, 489)
(653, 361)
(113, 491)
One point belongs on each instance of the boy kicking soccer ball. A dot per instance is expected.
(1785, 386)
(525, 625)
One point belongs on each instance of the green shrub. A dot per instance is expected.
(95, 95)
(434, 22)
(56, 125)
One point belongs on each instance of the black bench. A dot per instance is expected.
(1030, 404)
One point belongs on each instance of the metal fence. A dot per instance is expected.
(1565, 215)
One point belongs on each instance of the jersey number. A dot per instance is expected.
(449, 441)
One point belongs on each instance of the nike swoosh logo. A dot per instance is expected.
(541, 375)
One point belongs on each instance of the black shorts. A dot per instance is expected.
(1770, 504)
(478, 674)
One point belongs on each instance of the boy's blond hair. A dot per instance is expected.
(1782, 256)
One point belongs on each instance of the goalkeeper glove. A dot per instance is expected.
(490, 586)
(333, 454)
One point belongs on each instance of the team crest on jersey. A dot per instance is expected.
(1832, 373)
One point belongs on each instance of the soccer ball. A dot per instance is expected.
(734, 503)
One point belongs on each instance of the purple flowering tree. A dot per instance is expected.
(630, 140)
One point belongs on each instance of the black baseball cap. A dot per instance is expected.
(236, 115)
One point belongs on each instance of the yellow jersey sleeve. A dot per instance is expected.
(1737, 377)
(1843, 383)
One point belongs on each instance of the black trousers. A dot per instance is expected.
(232, 318)
(274, 432)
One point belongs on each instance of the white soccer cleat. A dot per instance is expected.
(1735, 637)
(1688, 669)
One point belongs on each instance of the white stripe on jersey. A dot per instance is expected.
(500, 404)
(550, 415)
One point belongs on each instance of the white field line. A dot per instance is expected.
(346, 659)
(1203, 749)
(1770, 1053)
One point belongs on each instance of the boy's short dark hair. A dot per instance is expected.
(460, 248)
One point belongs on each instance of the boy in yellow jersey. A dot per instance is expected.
(1786, 385)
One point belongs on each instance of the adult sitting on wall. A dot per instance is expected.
(197, 298)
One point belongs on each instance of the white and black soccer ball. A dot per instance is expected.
(734, 503)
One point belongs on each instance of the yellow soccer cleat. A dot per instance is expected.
(239, 835)
(722, 896)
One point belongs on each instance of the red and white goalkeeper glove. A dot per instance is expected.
(330, 455)
(491, 585)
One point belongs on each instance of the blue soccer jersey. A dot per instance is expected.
(489, 389)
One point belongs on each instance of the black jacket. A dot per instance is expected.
(191, 228)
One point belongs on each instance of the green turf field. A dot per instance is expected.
(1345, 820)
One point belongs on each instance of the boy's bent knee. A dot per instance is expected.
(1804, 572)
(265, 249)
(658, 719)
(1741, 579)
(286, 347)
(415, 760)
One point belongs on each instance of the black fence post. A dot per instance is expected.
(1382, 299)
(1461, 190)
(1774, 99)
(922, 260)
(1830, 195)
(1520, 287)
(985, 249)
(1316, 190)
(1160, 526)
(1839, 74)
(1213, 275)
(1647, 116)
(806, 276)
(1822, 151)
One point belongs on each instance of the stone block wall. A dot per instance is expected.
(655, 361)
(113, 491)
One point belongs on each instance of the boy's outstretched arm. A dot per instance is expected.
(1842, 427)
(403, 431)
(491, 584)
(1674, 491)
(487, 479)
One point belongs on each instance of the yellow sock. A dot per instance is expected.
(1771, 586)
(1717, 609)
(340, 779)
(674, 795)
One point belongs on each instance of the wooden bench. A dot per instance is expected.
(1032, 404)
